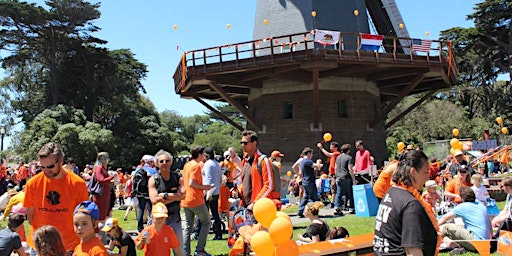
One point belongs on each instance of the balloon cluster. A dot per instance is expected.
(278, 239)
(499, 120)
(456, 145)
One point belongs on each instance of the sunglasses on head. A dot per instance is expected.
(164, 161)
(51, 166)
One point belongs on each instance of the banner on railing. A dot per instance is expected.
(326, 37)
(371, 42)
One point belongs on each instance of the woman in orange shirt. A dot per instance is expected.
(463, 178)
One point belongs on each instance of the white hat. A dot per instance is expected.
(148, 158)
(430, 183)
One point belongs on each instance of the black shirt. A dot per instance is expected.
(125, 240)
(402, 222)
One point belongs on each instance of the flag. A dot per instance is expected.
(420, 45)
(371, 42)
(326, 37)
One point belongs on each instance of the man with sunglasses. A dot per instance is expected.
(258, 177)
(459, 161)
(61, 190)
(167, 187)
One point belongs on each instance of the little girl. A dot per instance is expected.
(479, 189)
(431, 196)
(85, 220)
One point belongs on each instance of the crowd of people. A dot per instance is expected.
(58, 201)
(74, 207)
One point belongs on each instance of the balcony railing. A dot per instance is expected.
(301, 46)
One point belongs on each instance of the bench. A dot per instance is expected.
(359, 244)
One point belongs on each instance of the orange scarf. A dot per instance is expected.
(428, 210)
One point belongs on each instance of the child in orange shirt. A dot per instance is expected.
(85, 220)
(224, 197)
(158, 238)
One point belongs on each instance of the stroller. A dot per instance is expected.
(324, 191)
(238, 218)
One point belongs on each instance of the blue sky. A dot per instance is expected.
(146, 28)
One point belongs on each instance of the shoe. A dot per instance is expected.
(201, 253)
(339, 214)
(218, 237)
(193, 236)
(125, 219)
(352, 211)
(458, 251)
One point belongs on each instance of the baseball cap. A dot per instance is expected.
(410, 147)
(159, 210)
(109, 224)
(276, 153)
(430, 183)
(88, 207)
(457, 152)
(226, 154)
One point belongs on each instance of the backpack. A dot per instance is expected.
(140, 182)
(275, 170)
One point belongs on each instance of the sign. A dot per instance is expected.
(484, 144)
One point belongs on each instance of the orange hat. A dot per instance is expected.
(276, 153)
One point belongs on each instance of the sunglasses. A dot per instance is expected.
(164, 161)
(244, 142)
(51, 166)
(462, 172)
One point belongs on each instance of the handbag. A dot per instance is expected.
(94, 187)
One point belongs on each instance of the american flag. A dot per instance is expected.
(420, 45)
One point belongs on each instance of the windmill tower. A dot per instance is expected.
(293, 90)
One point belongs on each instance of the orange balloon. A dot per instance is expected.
(280, 230)
(281, 214)
(452, 151)
(455, 132)
(327, 136)
(499, 120)
(289, 173)
(290, 248)
(264, 211)
(400, 146)
(228, 26)
(261, 243)
(457, 145)
(454, 142)
(175, 26)
(401, 25)
(265, 21)
(504, 130)
(313, 13)
(356, 12)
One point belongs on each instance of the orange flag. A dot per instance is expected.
(482, 246)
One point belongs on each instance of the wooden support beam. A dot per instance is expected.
(381, 114)
(409, 109)
(219, 114)
(235, 104)
(316, 96)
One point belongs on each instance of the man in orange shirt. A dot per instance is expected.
(333, 155)
(194, 204)
(258, 177)
(52, 195)
(22, 175)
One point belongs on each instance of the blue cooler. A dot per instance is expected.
(366, 203)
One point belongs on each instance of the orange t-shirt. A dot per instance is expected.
(193, 197)
(22, 173)
(231, 166)
(224, 199)
(383, 183)
(54, 202)
(161, 242)
(93, 247)
(3, 169)
(332, 162)
(453, 188)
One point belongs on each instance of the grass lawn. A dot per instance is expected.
(355, 226)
